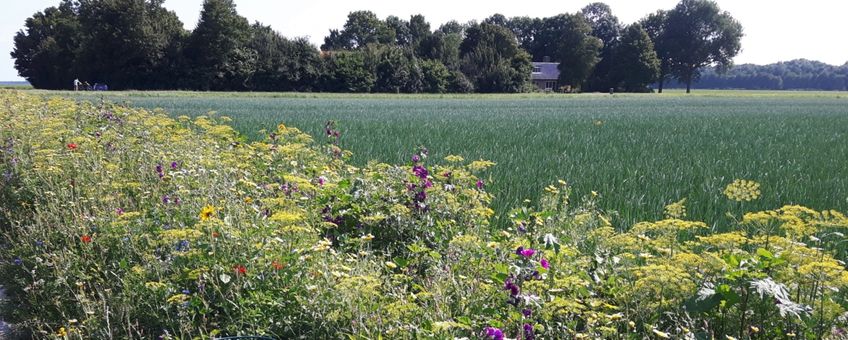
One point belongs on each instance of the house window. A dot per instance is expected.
(537, 70)
(550, 85)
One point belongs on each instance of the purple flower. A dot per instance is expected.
(428, 184)
(494, 333)
(480, 184)
(416, 158)
(18, 261)
(160, 171)
(545, 264)
(528, 332)
(39, 243)
(321, 180)
(420, 172)
(186, 291)
(119, 211)
(183, 246)
(527, 312)
(166, 199)
(527, 253)
(511, 287)
(174, 165)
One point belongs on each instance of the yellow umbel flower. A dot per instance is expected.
(676, 210)
(207, 212)
(742, 190)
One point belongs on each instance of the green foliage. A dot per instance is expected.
(493, 61)
(45, 53)
(607, 28)
(699, 34)
(348, 72)
(217, 52)
(638, 65)
(576, 49)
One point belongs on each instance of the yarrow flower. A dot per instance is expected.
(494, 333)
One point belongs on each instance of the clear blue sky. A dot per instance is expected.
(775, 30)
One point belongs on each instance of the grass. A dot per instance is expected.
(640, 152)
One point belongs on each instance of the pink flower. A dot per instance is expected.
(545, 264)
(528, 253)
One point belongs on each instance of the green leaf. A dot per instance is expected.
(765, 253)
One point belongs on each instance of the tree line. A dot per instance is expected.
(798, 74)
(139, 44)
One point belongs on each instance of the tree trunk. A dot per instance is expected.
(689, 81)
(662, 80)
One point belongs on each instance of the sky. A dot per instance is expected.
(775, 30)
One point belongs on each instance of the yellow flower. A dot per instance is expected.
(454, 159)
(207, 212)
(661, 335)
(391, 265)
(676, 210)
(62, 332)
(742, 190)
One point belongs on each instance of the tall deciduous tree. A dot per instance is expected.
(493, 61)
(576, 49)
(699, 34)
(45, 52)
(126, 42)
(637, 64)
(362, 28)
(607, 28)
(655, 25)
(217, 49)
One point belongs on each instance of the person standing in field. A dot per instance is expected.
(77, 84)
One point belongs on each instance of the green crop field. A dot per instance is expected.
(639, 152)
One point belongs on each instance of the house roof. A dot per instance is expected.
(547, 71)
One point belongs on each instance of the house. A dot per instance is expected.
(545, 76)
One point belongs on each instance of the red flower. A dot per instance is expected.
(215, 234)
(240, 270)
(72, 146)
(85, 239)
(277, 265)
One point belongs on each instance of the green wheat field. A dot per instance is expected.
(638, 152)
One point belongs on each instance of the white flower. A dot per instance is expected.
(550, 240)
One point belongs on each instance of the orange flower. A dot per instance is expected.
(277, 265)
(85, 239)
